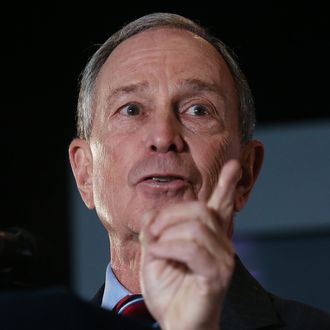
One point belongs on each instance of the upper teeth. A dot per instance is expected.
(161, 179)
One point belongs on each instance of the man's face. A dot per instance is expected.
(165, 122)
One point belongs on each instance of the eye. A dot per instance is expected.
(131, 109)
(197, 110)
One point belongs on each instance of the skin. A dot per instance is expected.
(168, 110)
(188, 259)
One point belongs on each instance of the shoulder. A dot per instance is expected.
(297, 315)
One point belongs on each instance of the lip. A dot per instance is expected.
(182, 170)
(171, 176)
(175, 181)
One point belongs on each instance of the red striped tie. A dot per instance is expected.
(134, 307)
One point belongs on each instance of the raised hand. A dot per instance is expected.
(188, 258)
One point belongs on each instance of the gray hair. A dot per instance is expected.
(158, 20)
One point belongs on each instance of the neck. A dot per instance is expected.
(125, 262)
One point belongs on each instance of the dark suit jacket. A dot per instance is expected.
(56, 309)
(249, 306)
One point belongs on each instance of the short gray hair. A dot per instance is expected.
(157, 20)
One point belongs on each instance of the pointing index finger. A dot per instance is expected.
(223, 197)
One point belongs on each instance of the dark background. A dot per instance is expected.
(283, 49)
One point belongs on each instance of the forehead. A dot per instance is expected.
(165, 51)
(164, 41)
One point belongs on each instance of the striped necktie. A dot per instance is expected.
(133, 306)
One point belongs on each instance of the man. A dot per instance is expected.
(165, 155)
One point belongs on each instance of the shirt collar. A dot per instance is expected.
(113, 290)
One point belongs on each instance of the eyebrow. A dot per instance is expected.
(197, 85)
(129, 89)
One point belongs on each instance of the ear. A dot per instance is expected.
(81, 161)
(251, 160)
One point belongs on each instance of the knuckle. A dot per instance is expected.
(193, 251)
(197, 229)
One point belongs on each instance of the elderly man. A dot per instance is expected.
(165, 155)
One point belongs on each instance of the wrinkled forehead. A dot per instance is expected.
(182, 53)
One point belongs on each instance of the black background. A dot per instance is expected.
(283, 47)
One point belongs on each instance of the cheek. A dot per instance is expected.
(106, 171)
(101, 175)
(112, 161)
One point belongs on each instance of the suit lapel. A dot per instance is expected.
(97, 299)
(247, 305)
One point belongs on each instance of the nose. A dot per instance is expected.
(164, 134)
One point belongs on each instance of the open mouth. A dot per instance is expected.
(156, 181)
(155, 184)
(163, 179)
